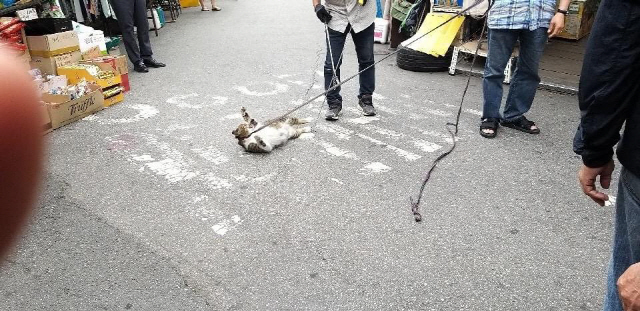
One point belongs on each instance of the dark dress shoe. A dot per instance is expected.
(140, 67)
(153, 63)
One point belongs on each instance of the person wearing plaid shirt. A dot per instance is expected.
(531, 22)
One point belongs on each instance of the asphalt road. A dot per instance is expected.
(151, 204)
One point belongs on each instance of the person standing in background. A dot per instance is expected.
(130, 14)
(343, 17)
(214, 7)
(531, 22)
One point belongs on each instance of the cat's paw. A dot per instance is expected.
(260, 142)
(306, 129)
(306, 120)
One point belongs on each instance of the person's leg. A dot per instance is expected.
(142, 24)
(124, 12)
(501, 44)
(336, 42)
(202, 7)
(364, 49)
(526, 79)
(214, 7)
(626, 241)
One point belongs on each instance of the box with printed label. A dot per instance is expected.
(63, 110)
(578, 22)
(49, 65)
(55, 44)
(75, 75)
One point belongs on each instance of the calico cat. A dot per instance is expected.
(276, 134)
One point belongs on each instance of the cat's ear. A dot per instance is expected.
(253, 123)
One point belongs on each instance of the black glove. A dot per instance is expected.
(322, 13)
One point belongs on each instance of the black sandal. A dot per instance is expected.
(489, 124)
(522, 124)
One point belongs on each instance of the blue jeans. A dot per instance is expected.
(364, 49)
(626, 239)
(525, 79)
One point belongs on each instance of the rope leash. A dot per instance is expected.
(268, 123)
(415, 205)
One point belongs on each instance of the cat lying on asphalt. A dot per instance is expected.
(270, 137)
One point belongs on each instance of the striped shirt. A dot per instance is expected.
(345, 12)
(521, 14)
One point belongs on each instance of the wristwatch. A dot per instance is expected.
(565, 12)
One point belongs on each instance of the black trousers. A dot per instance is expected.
(132, 13)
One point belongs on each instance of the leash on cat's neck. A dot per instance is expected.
(309, 101)
(415, 205)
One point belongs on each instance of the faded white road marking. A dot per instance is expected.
(385, 109)
(216, 182)
(278, 88)
(170, 163)
(364, 120)
(144, 112)
(212, 155)
(442, 136)
(174, 171)
(339, 131)
(224, 226)
(375, 167)
(183, 101)
(335, 151)
(296, 82)
(283, 76)
(235, 116)
(405, 96)
(409, 156)
(426, 146)
(306, 136)
(439, 113)
(377, 96)
(473, 111)
(337, 181)
(200, 198)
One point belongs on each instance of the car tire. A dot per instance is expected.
(412, 60)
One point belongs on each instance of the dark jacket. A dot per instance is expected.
(609, 92)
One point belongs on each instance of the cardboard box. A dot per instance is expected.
(55, 44)
(63, 110)
(49, 65)
(46, 119)
(75, 75)
(114, 100)
(578, 22)
(125, 82)
(117, 64)
(89, 40)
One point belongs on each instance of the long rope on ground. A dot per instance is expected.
(415, 204)
(268, 123)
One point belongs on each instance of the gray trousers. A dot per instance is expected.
(132, 13)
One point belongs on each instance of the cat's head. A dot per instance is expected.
(244, 130)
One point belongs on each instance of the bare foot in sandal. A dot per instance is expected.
(489, 127)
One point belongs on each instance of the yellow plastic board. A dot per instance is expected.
(189, 3)
(438, 42)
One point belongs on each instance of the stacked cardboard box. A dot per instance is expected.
(109, 81)
(49, 52)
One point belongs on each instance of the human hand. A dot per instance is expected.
(557, 25)
(587, 177)
(629, 288)
(322, 13)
